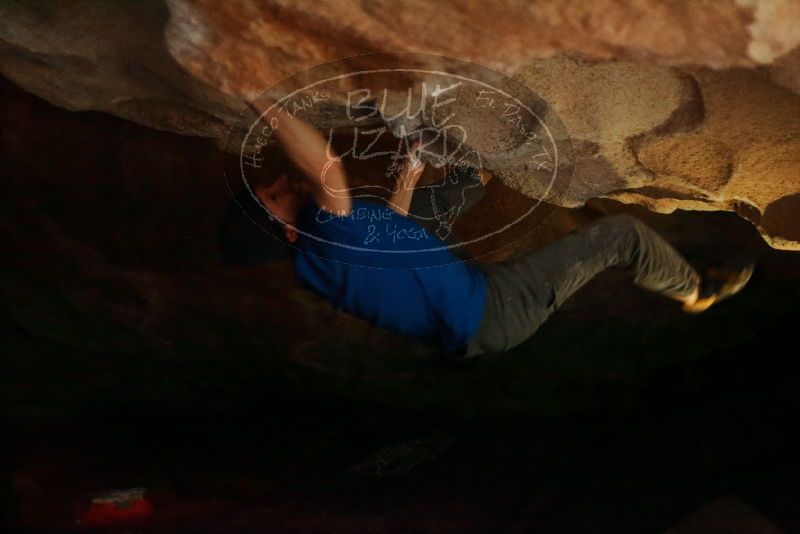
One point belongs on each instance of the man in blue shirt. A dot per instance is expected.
(380, 264)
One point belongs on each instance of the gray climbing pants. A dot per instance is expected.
(523, 292)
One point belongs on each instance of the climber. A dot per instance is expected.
(465, 307)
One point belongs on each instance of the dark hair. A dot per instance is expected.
(249, 235)
(275, 163)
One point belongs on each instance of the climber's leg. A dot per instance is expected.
(620, 240)
(525, 291)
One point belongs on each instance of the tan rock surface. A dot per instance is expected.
(651, 122)
(244, 46)
(743, 157)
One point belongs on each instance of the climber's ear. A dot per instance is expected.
(291, 233)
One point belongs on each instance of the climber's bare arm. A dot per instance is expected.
(309, 150)
(407, 180)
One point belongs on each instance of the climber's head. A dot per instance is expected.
(259, 224)
(283, 197)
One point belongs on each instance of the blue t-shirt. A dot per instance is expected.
(387, 269)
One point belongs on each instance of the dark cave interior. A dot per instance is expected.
(135, 358)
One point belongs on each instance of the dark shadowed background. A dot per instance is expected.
(132, 356)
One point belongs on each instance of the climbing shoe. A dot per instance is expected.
(720, 283)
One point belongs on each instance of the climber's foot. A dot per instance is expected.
(719, 284)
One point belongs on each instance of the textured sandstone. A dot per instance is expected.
(246, 45)
(669, 104)
(108, 56)
(786, 70)
(744, 156)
